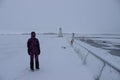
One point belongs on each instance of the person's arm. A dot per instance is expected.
(39, 51)
(28, 44)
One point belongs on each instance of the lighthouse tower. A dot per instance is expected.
(60, 33)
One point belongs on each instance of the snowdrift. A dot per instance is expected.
(99, 62)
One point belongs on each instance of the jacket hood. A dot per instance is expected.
(33, 34)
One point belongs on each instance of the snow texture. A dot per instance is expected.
(58, 61)
(100, 68)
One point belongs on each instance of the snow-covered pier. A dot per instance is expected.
(98, 60)
(58, 61)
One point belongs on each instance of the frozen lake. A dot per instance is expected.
(111, 43)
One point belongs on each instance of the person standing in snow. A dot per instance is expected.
(33, 50)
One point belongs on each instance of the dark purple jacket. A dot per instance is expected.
(33, 46)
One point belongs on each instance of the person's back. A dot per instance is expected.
(33, 46)
(33, 50)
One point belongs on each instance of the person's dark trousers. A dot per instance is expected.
(37, 61)
(32, 62)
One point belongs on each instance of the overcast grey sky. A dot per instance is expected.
(81, 16)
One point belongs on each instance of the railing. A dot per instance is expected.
(106, 67)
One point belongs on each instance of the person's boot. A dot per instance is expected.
(32, 69)
(37, 65)
(32, 66)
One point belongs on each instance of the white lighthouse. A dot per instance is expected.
(60, 33)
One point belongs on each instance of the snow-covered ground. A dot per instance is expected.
(98, 60)
(58, 61)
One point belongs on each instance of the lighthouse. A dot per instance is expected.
(60, 33)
